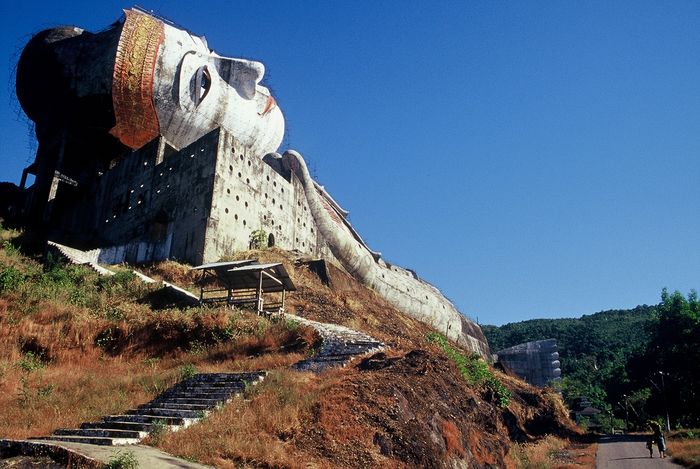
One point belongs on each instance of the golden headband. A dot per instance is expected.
(132, 82)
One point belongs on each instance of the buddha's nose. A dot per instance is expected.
(243, 75)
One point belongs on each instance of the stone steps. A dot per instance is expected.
(209, 385)
(177, 405)
(91, 440)
(180, 406)
(192, 400)
(339, 345)
(102, 432)
(172, 421)
(135, 426)
(204, 395)
(161, 412)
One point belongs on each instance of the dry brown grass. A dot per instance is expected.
(453, 439)
(555, 453)
(75, 347)
(36, 402)
(38, 397)
(173, 272)
(685, 452)
(257, 431)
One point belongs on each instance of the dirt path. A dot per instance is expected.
(628, 452)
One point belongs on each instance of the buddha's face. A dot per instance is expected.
(193, 90)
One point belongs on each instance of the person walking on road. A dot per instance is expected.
(658, 437)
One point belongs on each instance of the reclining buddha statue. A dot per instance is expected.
(97, 98)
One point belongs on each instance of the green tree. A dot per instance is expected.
(673, 357)
(258, 239)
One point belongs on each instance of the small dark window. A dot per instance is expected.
(270, 240)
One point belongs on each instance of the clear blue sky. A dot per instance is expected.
(531, 159)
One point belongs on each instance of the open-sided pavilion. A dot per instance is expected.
(245, 283)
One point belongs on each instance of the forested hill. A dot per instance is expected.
(601, 335)
(595, 350)
(633, 361)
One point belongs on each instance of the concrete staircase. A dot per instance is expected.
(89, 258)
(78, 257)
(339, 345)
(180, 406)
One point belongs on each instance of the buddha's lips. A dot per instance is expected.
(269, 106)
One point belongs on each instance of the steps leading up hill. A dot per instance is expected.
(339, 345)
(182, 405)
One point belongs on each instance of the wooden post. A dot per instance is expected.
(283, 294)
(259, 298)
(201, 288)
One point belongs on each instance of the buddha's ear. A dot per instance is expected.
(241, 74)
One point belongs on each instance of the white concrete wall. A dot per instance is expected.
(248, 195)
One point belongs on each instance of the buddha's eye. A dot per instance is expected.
(202, 84)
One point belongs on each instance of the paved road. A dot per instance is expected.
(147, 457)
(628, 452)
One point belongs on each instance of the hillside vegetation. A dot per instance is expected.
(615, 357)
(75, 346)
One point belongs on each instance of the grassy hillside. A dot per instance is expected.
(75, 346)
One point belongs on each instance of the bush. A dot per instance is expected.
(159, 428)
(10, 249)
(187, 371)
(30, 362)
(473, 369)
(10, 278)
(123, 460)
(258, 239)
(124, 277)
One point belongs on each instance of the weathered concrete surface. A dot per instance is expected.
(536, 362)
(629, 452)
(78, 257)
(95, 456)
